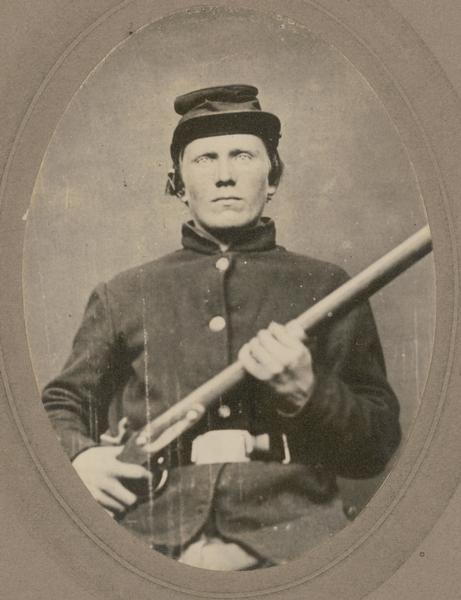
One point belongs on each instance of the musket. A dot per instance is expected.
(145, 446)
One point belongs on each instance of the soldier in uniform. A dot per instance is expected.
(254, 482)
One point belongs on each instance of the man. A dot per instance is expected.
(253, 482)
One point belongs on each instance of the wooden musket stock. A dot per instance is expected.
(190, 409)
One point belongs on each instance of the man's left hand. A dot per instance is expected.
(277, 356)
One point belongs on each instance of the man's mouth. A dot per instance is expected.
(226, 199)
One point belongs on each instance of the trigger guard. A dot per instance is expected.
(163, 479)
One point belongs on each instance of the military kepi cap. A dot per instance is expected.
(223, 110)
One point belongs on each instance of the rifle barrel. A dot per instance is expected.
(359, 287)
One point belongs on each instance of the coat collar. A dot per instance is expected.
(256, 239)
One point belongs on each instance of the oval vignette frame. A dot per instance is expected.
(102, 557)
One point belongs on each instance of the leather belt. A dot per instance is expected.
(223, 446)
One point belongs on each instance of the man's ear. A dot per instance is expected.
(183, 196)
(271, 189)
(175, 186)
(170, 187)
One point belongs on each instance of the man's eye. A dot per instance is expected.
(244, 156)
(202, 160)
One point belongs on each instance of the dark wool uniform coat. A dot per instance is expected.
(156, 332)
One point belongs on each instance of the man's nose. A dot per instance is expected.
(224, 172)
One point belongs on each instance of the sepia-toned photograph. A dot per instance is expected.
(228, 289)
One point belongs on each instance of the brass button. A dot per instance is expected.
(217, 323)
(222, 264)
(224, 411)
(351, 512)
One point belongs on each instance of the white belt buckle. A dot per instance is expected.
(222, 446)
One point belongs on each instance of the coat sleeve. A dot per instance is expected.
(77, 399)
(350, 424)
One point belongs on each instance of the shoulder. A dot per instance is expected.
(132, 281)
(138, 272)
(311, 267)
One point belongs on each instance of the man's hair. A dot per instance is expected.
(175, 184)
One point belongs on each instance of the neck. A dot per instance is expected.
(224, 236)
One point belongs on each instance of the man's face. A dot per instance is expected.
(226, 180)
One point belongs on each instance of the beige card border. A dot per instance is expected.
(96, 556)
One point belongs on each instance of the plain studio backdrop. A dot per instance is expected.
(348, 195)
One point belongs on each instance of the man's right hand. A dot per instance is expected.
(100, 470)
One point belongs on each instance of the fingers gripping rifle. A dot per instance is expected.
(145, 446)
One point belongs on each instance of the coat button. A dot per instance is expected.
(217, 324)
(222, 264)
(224, 411)
(351, 512)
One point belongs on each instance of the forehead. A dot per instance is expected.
(225, 143)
